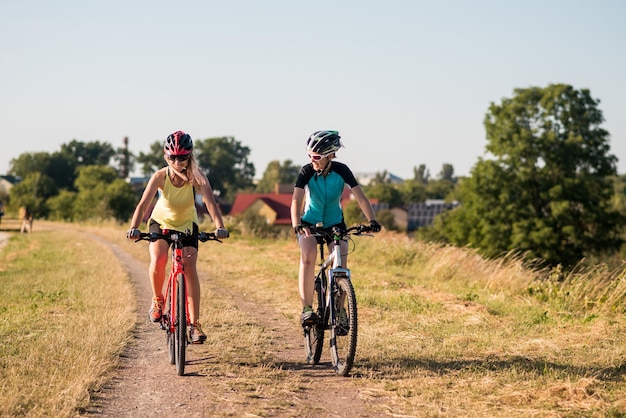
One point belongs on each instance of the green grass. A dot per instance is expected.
(442, 330)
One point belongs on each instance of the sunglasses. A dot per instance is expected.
(317, 157)
(182, 157)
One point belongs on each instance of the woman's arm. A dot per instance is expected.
(364, 203)
(154, 184)
(296, 206)
(209, 201)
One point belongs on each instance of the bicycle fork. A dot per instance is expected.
(333, 290)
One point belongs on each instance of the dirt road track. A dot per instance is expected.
(138, 387)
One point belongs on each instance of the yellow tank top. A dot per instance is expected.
(175, 209)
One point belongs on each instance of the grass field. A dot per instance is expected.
(442, 330)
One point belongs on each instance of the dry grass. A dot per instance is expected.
(442, 331)
(61, 328)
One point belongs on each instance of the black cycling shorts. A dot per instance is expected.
(188, 241)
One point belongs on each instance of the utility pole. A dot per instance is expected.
(125, 160)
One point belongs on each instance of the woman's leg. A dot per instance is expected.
(158, 261)
(193, 289)
(306, 274)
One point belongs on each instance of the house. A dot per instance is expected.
(274, 207)
(6, 183)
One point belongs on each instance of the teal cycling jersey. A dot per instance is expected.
(323, 193)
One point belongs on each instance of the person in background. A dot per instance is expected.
(175, 210)
(26, 216)
(317, 201)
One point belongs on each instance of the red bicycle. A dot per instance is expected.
(175, 318)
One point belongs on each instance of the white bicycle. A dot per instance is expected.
(334, 302)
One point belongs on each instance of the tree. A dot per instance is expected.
(275, 173)
(385, 193)
(153, 160)
(225, 161)
(61, 169)
(62, 206)
(89, 153)
(412, 191)
(102, 194)
(548, 190)
(33, 191)
(352, 213)
(421, 174)
(380, 178)
(28, 163)
(60, 166)
(447, 173)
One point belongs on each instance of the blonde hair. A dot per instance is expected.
(193, 174)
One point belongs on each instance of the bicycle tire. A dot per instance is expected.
(171, 346)
(343, 342)
(180, 324)
(314, 335)
(167, 323)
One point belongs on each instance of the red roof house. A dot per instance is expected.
(275, 207)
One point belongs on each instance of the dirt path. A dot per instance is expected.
(138, 387)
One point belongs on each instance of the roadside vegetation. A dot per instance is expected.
(64, 319)
(443, 331)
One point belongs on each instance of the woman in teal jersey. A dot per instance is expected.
(317, 201)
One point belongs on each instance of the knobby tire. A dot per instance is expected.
(181, 324)
(167, 322)
(343, 344)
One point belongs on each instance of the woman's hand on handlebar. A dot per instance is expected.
(221, 233)
(133, 233)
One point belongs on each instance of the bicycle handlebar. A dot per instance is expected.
(339, 232)
(176, 236)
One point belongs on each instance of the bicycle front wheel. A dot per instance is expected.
(180, 332)
(343, 333)
(167, 322)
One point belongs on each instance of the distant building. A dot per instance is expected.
(7, 182)
(424, 213)
(138, 183)
(366, 178)
(274, 207)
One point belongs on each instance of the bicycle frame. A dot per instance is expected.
(331, 267)
(176, 268)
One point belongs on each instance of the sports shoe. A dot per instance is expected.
(343, 326)
(156, 311)
(308, 316)
(196, 335)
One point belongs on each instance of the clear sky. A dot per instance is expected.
(405, 82)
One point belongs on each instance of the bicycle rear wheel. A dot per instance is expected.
(314, 335)
(180, 326)
(343, 334)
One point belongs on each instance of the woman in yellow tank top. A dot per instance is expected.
(175, 210)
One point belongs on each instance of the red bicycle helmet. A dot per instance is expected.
(178, 143)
